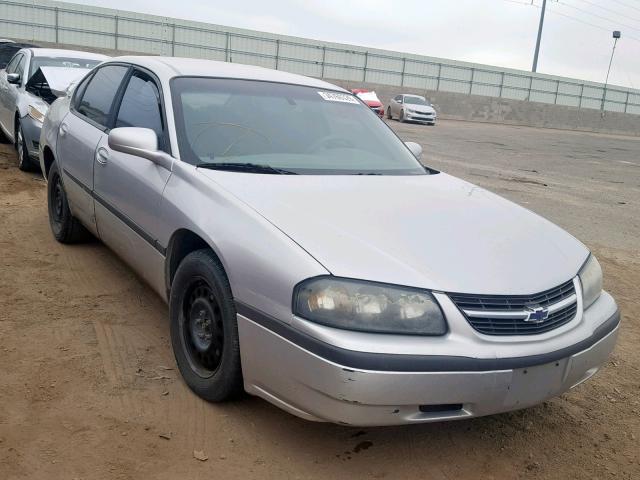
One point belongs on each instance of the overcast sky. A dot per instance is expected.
(576, 40)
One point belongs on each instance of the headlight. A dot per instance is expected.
(410, 110)
(591, 279)
(369, 307)
(37, 113)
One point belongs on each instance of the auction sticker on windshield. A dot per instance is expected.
(338, 97)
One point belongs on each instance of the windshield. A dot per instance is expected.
(285, 128)
(415, 100)
(69, 62)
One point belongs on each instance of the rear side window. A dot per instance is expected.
(140, 106)
(98, 96)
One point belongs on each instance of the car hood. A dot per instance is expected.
(57, 79)
(431, 231)
(421, 108)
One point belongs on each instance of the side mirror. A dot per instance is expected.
(415, 148)
(141, 142)
(13, 78)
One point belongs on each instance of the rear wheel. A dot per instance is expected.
(65, 227)
(24, 162)
(204, 329)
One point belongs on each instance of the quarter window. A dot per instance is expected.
(11, 68)
(98, 96)
(20, 67)
(141, 106)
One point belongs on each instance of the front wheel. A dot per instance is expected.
(389, 113)
(65, 227)
(204, 329)
(24, 162)
(401, 116)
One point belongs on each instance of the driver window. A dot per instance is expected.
(141, 106)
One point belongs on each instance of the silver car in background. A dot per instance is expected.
(309, 258)
(33, 79)
(411, 108)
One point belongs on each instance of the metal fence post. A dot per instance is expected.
(404, 64)
(115, 33)
(581, 94)
(555, 100)
(626, 102)
(173, 39)
(530, 86)
(57, 24)
(324, 53)
(501, 83)
(364, 70)
(438, 79)
(227, 52)
(473, 72)
(277, 52)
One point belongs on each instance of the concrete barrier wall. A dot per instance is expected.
(478, 108)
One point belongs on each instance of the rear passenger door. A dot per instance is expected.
(128, 189)
(80, 132)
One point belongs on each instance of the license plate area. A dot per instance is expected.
(533, 385)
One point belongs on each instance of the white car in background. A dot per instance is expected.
(412, 108)
(33, 79)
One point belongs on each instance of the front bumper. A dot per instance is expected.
(420, 117)
(285, 372)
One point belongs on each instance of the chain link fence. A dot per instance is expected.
(72, 24)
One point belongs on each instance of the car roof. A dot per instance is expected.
(169, 67)
(60, 52)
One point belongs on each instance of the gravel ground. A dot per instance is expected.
(89, 389)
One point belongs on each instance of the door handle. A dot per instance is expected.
(102, 155)
(63, 129)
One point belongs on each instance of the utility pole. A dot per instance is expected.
(535, 55)
(616, 36)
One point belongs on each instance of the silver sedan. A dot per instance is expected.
(309, 258)
(26, 92)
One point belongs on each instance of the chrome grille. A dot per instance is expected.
(512, 314)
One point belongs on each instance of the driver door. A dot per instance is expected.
(128, 189)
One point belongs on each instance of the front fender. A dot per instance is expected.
(49, 132)
(262, 263)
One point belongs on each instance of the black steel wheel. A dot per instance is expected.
(204, 330)
(64, 226)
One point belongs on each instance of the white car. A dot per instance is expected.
(308, 257)
(412, 108)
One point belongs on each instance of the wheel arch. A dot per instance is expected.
(183, 242)
(48, 158)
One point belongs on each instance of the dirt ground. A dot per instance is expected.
(89, 387)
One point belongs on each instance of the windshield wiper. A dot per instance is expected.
(245, 167)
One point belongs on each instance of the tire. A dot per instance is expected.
(204, 328)
(64, 226)
(389, 116)
(24, 162)
(401, 117)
